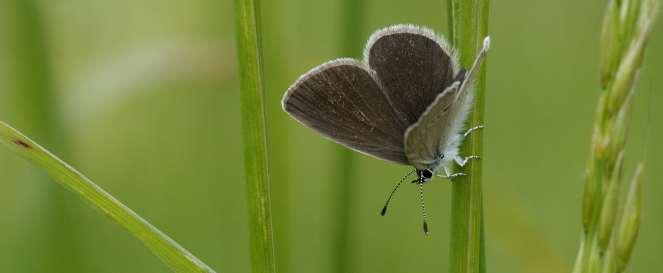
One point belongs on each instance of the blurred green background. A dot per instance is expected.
(142, 96)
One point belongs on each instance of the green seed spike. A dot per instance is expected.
(610, 204)
(631, 14)
(610, 44)
(609, 264)
(629, 225)
(594, 262)
(589, 196)
(632, 58)
(608, 232)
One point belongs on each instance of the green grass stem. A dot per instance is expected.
(254, 135)
(171, 253)
(468, 26)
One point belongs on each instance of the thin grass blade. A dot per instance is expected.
(171, 253)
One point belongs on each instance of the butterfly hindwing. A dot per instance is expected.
(343, 101)
(438, 131)
(437, 128)
(413, 65)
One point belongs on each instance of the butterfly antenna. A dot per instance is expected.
(386, 204)
(423, 207)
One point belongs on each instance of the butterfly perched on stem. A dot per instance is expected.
(406, 102)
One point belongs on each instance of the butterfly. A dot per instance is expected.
(406, 102)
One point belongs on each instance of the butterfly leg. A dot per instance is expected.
(462, 161)
(449, 175)
(471, 130)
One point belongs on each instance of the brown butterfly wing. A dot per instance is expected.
(413, 65)
(342, 101)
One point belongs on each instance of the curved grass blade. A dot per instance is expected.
(171, 253)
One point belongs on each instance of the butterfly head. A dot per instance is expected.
(423, 176)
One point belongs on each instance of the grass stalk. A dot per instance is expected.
(51, 244)
(468, 26)
(350, 45)
(608, 237)
(254, 135)
(172, 254)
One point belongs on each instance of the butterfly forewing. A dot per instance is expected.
(413, 65)
(342, 100)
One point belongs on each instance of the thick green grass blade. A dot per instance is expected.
(252, 102)
(468, 25)
(171, 253)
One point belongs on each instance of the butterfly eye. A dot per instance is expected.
(426, 174)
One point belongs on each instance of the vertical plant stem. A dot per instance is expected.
(469, 25)
(254, 135)
(350, 44)
(276, 82)
(50, 243)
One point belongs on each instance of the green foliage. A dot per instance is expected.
(150, 109)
